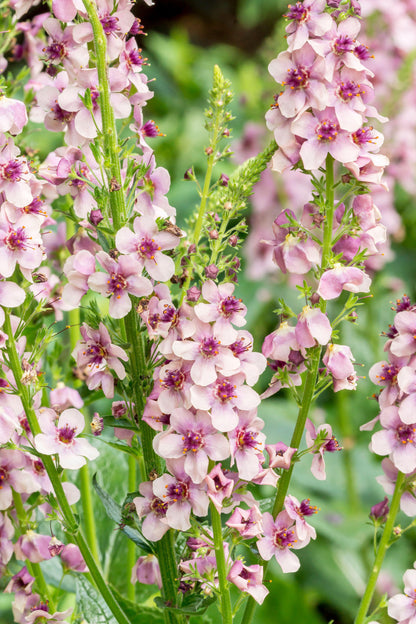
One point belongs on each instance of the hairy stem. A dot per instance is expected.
(225, 599)
(381, 551)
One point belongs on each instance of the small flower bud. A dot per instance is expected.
(352, 316)
(236, 263)
(189, 174)
(346, 178)
(213, 234)
(356, 7)
(228, 205)
(191, 249)
(223, 180)
(315, 298)
(397, 531)
(193, 294)
(208, 151)
(39, 278)
(226, 132)
(118, 409)
(95, 217)
(97, 424)
(55, 546)
(380, 511)
(211, 271)
(233, 240)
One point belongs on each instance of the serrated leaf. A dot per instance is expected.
(91, 604)
(193, 604)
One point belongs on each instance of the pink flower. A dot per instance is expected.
(219, 487)
(223, 308)
(397, 439)
(62, 439)
(154, 508)
(339, 361)
(246, 521)
(405, 343)
(14, 473)
(402, 607)
(248, 579)
(192, 437)
(146, 245)
(122, 278)
(312, 327)
(307, 18)
(327, 443)
(72, 559)
(32, 546)
(247, 443)
(147, 571)
(280, 536)
(340, 278)
(297, 511)
(252, 363)
(13, 116)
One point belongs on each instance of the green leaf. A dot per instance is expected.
(138, 614)
(125, 448)
(91, 604)
(114, 511)
(193, 604)
(110, 421)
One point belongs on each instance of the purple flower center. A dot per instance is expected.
(332, 445)
(297, 12)
(230, 305)
(24, 423)
(174, 380)
(239, 347)
(389, 373)
(209, 347)
(178, 491)
(3, 384)
(148, 248)
(327, 131)
(343, 44)
(224, 391)
(159, 507)
(116, 283)
(61, 115)
(305, 509)
(56, 51)
(283, 538)
(297, 78)
(96, 354)
(361, 51)
(13, 171)
(364, 135)
(406, 434)
(349, 90)
(38, 467)
(3, 476)
(137, 28)
(246, 439)
(153, 320)
(66, 434)
(42, 606)
(403, 304)
(150, 129)
(192, 441)
(169, 313)
(109, 23)
(94, 96)
(35, 207)
(134, 58)
(16, 239)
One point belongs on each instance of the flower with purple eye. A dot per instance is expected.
(307, 18)
(340, 278)
(402, 607)
(14, 473)
(20, 243)
(62, 439)
(247, 444)
(280, 536)
(404, 344)
(327, 443)
(397, 439)
(146, 244)
(297, 511)
(154, 509)
(182, 496)
(252, 363)
(174, 384)
(193, 438)
(248, 579)
(223, 308)
(122, 278)
(207, 354)
(219, 487)
(223, 398)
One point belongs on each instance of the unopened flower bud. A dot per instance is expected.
(208, 151)
(192, 249)
(228, 205)
(226, 132)
(95, 217)
(118, 409)
(39, 278)
(233, 240)
(213, 234)
(356, 7)
(55, 546)
(211, 271)
(380, 511)
(397, 531)
(352, 316)
(193, 294)
(189, 174)
(346, 178)
(236, 263)
(97, 424)
(223, 180)
(315, 298)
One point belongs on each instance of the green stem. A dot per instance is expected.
(310, 379)
(131, 547)
(381, 551)
(225, 600)
(70, 521)
(342, 404)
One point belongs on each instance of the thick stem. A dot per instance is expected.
(381, 551)
(70, 522)
(131, 547)
(310, 380)
(225, 599)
